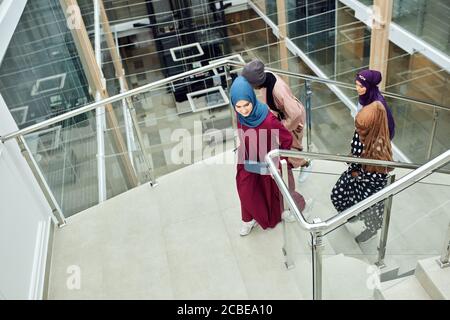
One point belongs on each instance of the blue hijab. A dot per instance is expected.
(242, 90)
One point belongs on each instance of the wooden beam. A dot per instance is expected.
(94, 75)
(379, 42)
(282, 27)
(117, 61)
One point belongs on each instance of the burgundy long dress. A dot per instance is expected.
(259, 194)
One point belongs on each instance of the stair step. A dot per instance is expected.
(407, 288)
(436, 281)
(343, 277)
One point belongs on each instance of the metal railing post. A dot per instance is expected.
(148, 162)
(127, 120)
(289, 263)
(385, 227)
(56, 210)
(317, 246)
(232, 112)
(308, 94)
(433, 133)
(445, 256)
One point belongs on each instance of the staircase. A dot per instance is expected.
(179, 242)
(428, 282)
(415, 213)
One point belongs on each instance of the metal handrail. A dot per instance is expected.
(340, 158)
(343, 84)
(342, 217)
(112, 99)
(179, 76)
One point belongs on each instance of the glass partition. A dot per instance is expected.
(332, 123)
(425, 19)
(419, 219)
(67, 155)
(412, 226)
(167, 125)
(41, 75)
(420, 128)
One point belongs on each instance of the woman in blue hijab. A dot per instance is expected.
(242, 90)
(259, 132)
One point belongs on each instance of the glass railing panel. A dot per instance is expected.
(419, 219)
(347, 271)
(66, 154)
(420, 128)
(440, 141)
(116, 178)
(416, 76)
(268, 7)
(316, 187)
(41, 74)
(125, 111)
(332, 125)
(413, 131)
(345, 262)
(425, 19)
(181, 126)
(311, 27)
(298, 258)
(367, 2)
(315, 184)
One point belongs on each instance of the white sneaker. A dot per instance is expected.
(309, 204)
(247, 227)
(288, 216)
(304, 173)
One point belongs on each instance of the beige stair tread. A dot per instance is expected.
(407, 288)
(435, 280)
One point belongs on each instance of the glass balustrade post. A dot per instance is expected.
(56, 210)
(433, 133)
(385, 228)
(317, 247)
(308, 94)
(127, 120)
(233, 117)
(445, 256)
(286, 245)
(148, 162)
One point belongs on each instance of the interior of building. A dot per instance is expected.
(118, 149)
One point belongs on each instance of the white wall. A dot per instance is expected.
(24, 212)
(10, 12)
(24, 221)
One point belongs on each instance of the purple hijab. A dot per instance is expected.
(370, 80)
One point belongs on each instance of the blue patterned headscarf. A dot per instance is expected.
(242, 90)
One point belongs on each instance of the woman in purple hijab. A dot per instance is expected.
(359, 182)
(367, 86)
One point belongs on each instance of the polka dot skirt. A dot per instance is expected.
(350, 190)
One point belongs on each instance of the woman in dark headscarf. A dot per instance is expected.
(367, 86)
(259, 132)
(371, 141)
(276, 93)
(369, 95)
